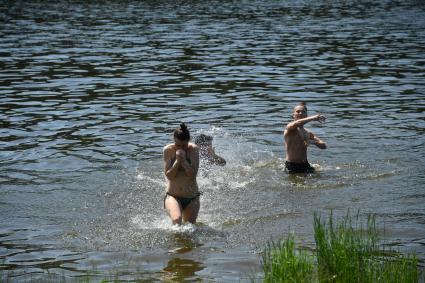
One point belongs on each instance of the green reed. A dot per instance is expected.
(282, 261)
(350, 251)
(347, 251)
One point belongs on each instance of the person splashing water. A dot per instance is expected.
(297, 139)
(207, 152)
(181, 163)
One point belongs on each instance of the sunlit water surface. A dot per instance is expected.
(91, 92)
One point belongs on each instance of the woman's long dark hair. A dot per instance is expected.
(182, 133)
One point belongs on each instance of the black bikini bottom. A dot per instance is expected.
(184, 202)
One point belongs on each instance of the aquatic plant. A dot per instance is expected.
(348, 251)
(283, 262)
(351, 252)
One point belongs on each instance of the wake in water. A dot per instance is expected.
(163, 223)
(252, 189)
(244, 160)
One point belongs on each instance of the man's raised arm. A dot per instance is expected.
(301, 122)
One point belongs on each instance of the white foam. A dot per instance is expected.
(187, 228)
(163, 223)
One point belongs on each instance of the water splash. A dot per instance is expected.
(161, 223)
(145, 177)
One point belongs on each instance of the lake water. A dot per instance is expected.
(91, 92)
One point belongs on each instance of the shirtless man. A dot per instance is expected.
(207, 152)
(181, 162)
(297, 139)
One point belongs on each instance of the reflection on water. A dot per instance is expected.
(179, 269)
(90, 93)
(184, 243)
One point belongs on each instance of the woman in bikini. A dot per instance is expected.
(181, 162)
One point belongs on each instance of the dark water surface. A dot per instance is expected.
(90, 93)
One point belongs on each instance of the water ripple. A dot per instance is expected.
(91, 91)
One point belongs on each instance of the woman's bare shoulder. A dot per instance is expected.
(193, 145)
(193, 148)
(168, 148)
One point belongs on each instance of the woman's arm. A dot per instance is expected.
(170, 169)
(191, 170)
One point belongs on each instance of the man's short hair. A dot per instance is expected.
(203, 139)
(303, 104)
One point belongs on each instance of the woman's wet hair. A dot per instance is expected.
(182, 133)
(203, 140)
